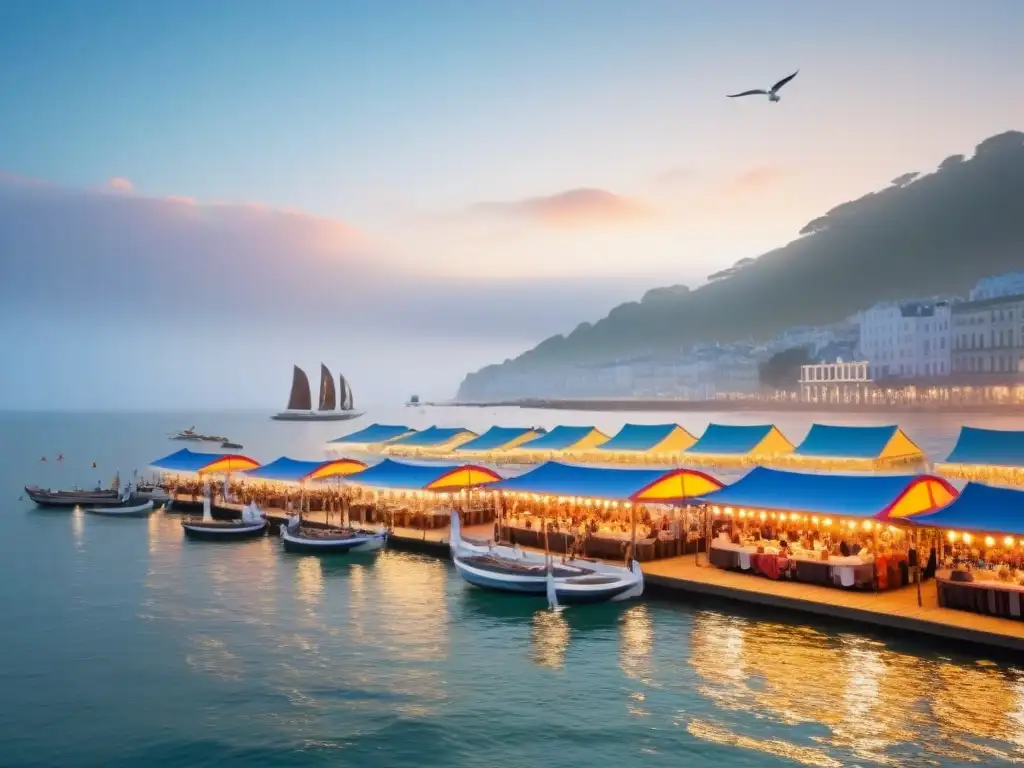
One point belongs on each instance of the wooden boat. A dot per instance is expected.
(252, 525)
(152, 492)
(324, 541)
(510, 569)
(74, 498)
(134, 508)
(300, 403)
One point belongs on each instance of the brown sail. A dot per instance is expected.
(327, 394)
(299, 399)
(346, 395)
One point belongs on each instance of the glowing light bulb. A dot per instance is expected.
(967, 538)
(989, 541)
(951, 536)
(764, 516)
(1008, 541)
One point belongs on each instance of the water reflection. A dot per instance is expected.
(308, 584)
(549, 638)
(412, 614)
(875, 704)
(78, 528)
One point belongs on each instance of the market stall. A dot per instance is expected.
(728, 445)
(372, 438)
(603, 511)
(560, 443)
(432, 441)
(642, 444)
(853, 448)
(986, 455)
(981, 558)
(841, 530)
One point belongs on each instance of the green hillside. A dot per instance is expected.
(923, 235)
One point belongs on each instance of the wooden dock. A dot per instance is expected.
(893, 610)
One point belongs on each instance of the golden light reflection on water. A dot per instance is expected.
(412, 614)
(636, 646)
(870, 698)
(550, 635)
(78, 528)
(308, 584)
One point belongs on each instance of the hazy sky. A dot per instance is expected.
(196, 194)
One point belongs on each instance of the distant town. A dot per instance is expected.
(940, 347)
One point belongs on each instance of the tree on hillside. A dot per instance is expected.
(782, 370)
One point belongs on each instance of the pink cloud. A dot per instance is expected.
(759, 177)
(120, 184)
(576, 208)
(181, 200)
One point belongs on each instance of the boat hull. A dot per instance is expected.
(598, 587)
(136, 510)
(307, 545)
(316, 415)
(230, 532)
(187, 506)
(70, 499)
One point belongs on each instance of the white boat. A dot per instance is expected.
(252, 525)
(326, 541)
(511, 569)
(125, 510)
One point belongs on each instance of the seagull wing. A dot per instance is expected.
(783, 81)
(746, 93)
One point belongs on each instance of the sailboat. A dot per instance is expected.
(511, 569)
(300, 402)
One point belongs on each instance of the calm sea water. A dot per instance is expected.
(123, 645)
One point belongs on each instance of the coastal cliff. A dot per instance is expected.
(925, 234)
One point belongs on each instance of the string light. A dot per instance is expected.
(951, 536)
(967, 538)
(1008, 541)
(989, 541)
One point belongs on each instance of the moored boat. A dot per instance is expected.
(44, 497)
(510, 569)
(132, 508)
(301, 539)
(251, 525)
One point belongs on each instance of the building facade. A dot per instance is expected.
(988, 337)
(908, 340)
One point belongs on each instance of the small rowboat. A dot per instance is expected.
(325, 541)
(125, 510)
(75, 498)
(252, 525)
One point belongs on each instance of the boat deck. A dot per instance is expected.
(893, 609)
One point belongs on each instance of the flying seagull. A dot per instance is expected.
(772, 93)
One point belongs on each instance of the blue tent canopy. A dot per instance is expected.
(559, 438)
(397, 474)
(988, 447)
(495, 437)
(556, 479)
(638, 437)
(375, 433)
(285, 470)
(430, 436)
(832, 441)
(981, 507)
(833, 494)
(727, 439)
(193, 461)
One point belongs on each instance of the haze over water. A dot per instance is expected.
(124, 645)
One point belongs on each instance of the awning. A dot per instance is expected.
(423, 477)
(204, 463)
(881, 497)
(565, 438)
(988, 447)
(737, 442)
(649, 438)
(433, 437)
(498, 439)
(375, 433)
(828, 443)
(288, 470)
(651, 485)
(981, 508)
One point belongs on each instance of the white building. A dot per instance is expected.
(909, 339)
(998, 286)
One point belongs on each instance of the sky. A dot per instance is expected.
(200, 194)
